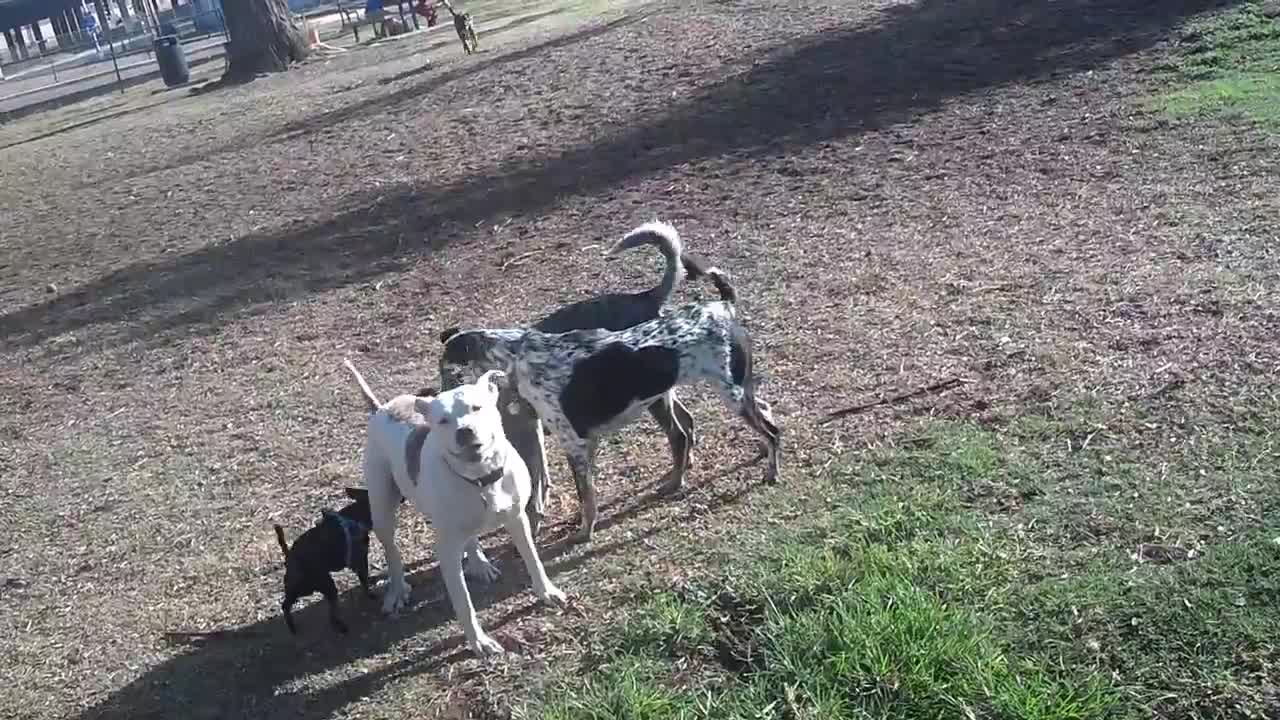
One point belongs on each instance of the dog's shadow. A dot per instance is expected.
(261, 670)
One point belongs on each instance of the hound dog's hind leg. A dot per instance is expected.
(758, 416)
(737, 388)
(686, 420)
(679, 437)
(582, 461)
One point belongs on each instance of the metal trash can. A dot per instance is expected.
(172, 61)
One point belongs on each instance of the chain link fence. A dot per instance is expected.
(64, 68)
(59, 58)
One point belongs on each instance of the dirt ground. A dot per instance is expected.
(903, 192)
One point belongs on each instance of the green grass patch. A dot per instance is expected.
(1196, 639)
(934, 593)
(1227, 66)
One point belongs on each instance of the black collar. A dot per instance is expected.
(483, 481)
(486, 480)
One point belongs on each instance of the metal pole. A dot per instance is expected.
(114, 64)
(54, 67)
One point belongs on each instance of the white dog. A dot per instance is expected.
(449, 456)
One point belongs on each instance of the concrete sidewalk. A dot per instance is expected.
(97, 81)
(12, 87)
(23, 96)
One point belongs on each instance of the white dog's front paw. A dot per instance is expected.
(482, 570)
(551, 595)
(395, 597)
(485, 646)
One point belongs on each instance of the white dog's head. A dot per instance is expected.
(467, 425)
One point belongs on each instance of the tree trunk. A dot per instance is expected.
(264, 38)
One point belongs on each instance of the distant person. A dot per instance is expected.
(427, 9)
(374, 14)
(89, 25)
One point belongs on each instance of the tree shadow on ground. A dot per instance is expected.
(842, 83)
(198, 288)
(256, 670)
(433, 82)
(430, 82)
(77, 125)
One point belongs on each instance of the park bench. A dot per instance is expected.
(360, 20)
(355, 19)
(350, 16)
(378, 28)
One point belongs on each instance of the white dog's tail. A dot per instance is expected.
(369, 397)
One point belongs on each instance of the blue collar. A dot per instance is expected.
(349, 528)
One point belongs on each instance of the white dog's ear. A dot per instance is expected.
(494, 379)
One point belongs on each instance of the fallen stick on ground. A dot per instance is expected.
(519, 259)
(326, 47)
(937, 387)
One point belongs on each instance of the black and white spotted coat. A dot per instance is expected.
(588, 383)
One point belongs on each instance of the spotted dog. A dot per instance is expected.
(587, 384)
(465, 28)
(607, 311)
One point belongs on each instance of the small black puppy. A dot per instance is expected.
(340, 540)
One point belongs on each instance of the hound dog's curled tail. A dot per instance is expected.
(721, 280)
(679, 263)
(370, 399)
(284, 546)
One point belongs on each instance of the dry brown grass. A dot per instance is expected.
(902, 192)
